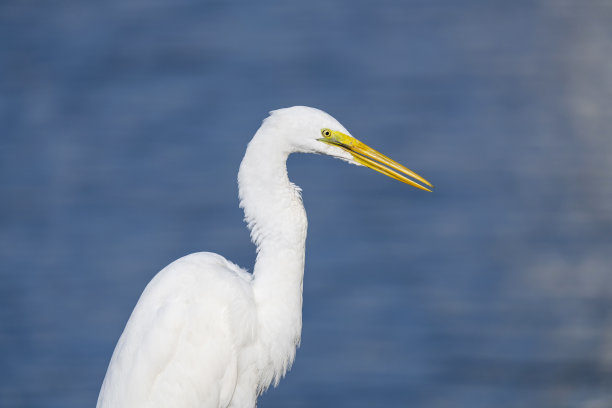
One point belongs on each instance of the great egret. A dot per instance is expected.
(206, 333)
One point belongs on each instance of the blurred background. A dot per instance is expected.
(122, 125)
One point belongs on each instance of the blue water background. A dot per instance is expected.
(122, 125)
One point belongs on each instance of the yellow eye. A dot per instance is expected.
(326, 132)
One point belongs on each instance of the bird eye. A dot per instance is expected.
(326, 132)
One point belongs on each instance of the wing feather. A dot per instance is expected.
(180, 345)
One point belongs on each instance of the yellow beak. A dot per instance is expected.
(369, 157)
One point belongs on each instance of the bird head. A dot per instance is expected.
(311, 130)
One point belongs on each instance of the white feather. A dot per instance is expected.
(206, 333)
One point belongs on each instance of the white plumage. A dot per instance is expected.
(205, 333)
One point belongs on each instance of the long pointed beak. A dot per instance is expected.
(364, 154)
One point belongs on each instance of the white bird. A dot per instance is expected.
(206, 333)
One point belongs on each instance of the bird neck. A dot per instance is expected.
(277, 220)
(272, 207)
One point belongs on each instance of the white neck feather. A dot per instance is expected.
(276, 217)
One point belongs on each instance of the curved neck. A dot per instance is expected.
(275, 215)
(272, 206)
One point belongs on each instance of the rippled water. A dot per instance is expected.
(123, 124)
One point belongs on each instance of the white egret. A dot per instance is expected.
(206, 333)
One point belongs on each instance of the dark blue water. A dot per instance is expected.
(122, 124)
